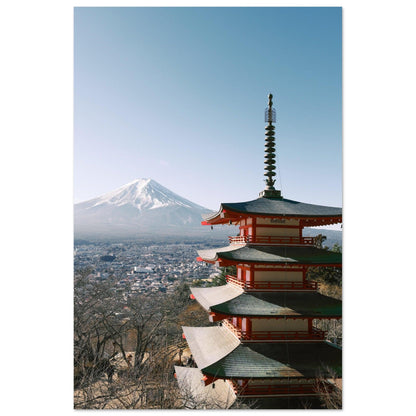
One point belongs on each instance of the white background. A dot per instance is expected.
(36, 204)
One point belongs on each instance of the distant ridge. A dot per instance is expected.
(332, 236)
(138, 209)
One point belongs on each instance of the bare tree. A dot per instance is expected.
(330, 393)
(93, 305)
(125, 345)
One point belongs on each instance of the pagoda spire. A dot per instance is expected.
(269, 162)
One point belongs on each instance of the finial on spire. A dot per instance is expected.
(269, 163)
(270, 112)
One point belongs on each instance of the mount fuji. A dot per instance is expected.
(144, 209)
(141, 208)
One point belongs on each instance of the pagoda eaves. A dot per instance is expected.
(221, 355)
(309, 214)
(296, 255)
(268, 361)
(276, 304)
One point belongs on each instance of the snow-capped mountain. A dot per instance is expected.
(139, 208)
(143, 194)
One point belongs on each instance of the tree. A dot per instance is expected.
(328, 275)
(329, 390)
(125, 344)
(221, 279)
(94, 304)
(330, 284)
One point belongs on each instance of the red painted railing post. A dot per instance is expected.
(270, 285)
(243, 239)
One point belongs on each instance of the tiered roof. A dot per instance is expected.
(294, 359)
(281, 304)
(218, 354)
(305, 255)
(209, 344)
(311, 215)
(274, 304)
(208, 296)
(196, 395)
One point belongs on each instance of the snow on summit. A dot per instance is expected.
(141, 207)
(142, 194)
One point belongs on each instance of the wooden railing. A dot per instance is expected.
(275, 390)
(314, 335)
(270, 285)
(267, 240)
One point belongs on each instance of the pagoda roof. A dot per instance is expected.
(262, 360)
(281, 360)
(280, 304)
(196, 395)
(272, 254)
(209, 344)
(208, 296)
(275, 207)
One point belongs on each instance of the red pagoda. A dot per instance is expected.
(264, 344)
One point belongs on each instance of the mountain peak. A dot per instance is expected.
(140, 206)
(142, 194)
(139, 182)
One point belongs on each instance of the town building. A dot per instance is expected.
(264, 345)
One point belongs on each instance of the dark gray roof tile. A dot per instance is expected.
(276, 206)
(308, 304)
(279, 360)
(273, 254)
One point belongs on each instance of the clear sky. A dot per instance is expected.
(178, 95)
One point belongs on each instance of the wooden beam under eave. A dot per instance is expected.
(206, 261)
(226, 263)
(209, 379)
(216, 317)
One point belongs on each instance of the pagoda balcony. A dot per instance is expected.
(274, 336)
(261, 390)
(272, 240)
(266, 286)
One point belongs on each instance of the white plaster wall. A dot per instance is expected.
(279, 324)
(266, 266)
(274, 221)
(277, 232)
(274, 276)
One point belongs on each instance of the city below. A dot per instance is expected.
(144, 267)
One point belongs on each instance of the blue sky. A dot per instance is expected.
(178, 95)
